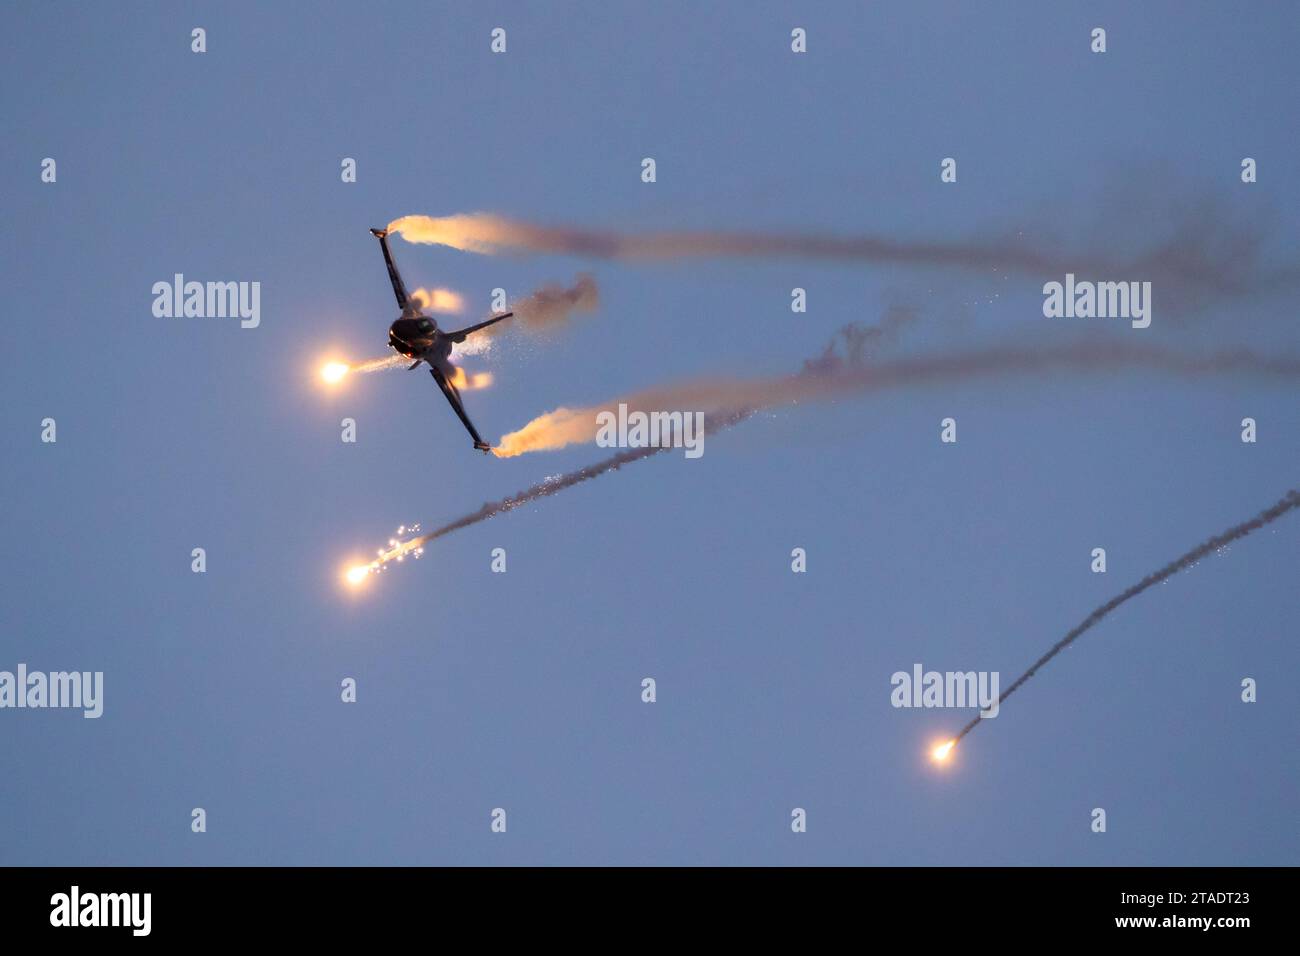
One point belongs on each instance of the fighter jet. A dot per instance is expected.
(417, 336)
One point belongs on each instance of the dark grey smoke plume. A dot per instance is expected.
(553, 305)
(545, 310)
(857, 342)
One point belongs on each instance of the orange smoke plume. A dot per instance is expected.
(466, 382)
(439, 300)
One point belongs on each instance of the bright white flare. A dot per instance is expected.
(333, 372)
(941, 753)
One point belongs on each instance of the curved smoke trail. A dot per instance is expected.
(1289, 501)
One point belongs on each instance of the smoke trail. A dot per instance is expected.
(1289, 501)
(334, 372)
(856, 338)
(540, 312)
(568, 426)
(553, 305)
(848, 378)
(380, 364)
(543, 489)
(1191, 255)
(396, 551)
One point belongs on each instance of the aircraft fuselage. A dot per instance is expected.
(418, 337)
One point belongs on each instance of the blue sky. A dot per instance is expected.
(522, 690)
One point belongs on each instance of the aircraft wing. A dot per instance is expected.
(460, 336)
(453, 396)
(399, 288)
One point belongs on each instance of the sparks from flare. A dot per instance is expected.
(396, 551)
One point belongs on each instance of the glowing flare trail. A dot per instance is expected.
(728, 403)
(828, 379)
(544, 489)
(1289, 501)
(569, 426)
(334, 371)
(381, 363)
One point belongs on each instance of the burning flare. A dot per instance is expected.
(943, 751)
(333, 372)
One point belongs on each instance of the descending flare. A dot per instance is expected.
(1290, 501)
(941, 753)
